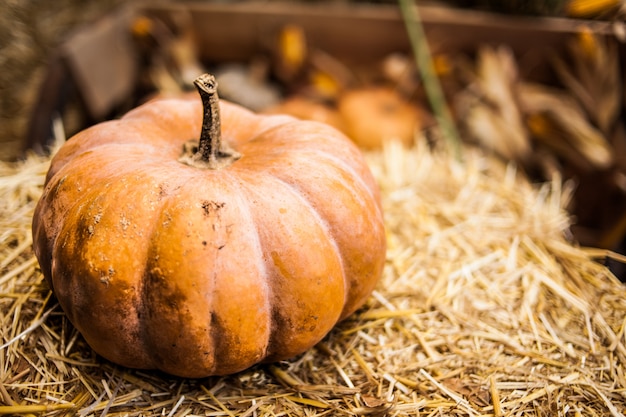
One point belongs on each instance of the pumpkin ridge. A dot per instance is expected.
(355, 180)
(260, 125)
(209, 220)
(68, 185)
(280, 264)
(325, 151)
(96, 282)
(117, 136)
(152, 273)
(243, 198)
(370, 231)
(357, 177)
(164, 191)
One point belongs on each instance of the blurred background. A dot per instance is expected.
(535, 83)
(30, 30)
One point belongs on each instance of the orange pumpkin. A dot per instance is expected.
(375, 115)
(307, 109)
(209, 260)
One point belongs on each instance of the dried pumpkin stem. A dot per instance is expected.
(211, 152)
(211, 135)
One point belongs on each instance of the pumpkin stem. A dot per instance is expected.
(211, 152)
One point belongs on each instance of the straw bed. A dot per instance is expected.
(484, 309)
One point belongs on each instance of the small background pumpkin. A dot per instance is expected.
(308, 109)
(370, 116)
(199, 269)
(374, 115)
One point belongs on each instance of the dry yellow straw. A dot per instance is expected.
(484, 308)
(29, 409)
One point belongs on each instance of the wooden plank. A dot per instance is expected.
(364, 33)
(103, 62)
(237, 31)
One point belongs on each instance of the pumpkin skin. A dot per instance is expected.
(307, 109)
(375, 115)
(198, 272)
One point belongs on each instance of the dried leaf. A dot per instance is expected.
(593, 77)
(291, 52)
(174, 63)
(587, 8)
(556, 119)
(491, 111)
(494, 132)
(373, 406)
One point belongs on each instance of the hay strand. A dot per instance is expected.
(484, 308)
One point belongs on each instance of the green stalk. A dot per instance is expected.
(415, 31)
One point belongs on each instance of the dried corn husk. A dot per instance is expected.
(588, 8)
(489, 109)
(291, 52)
(594, 78)
(400, 71)
(173, 53)
(557, 121)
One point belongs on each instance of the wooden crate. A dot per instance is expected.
(100, 62)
